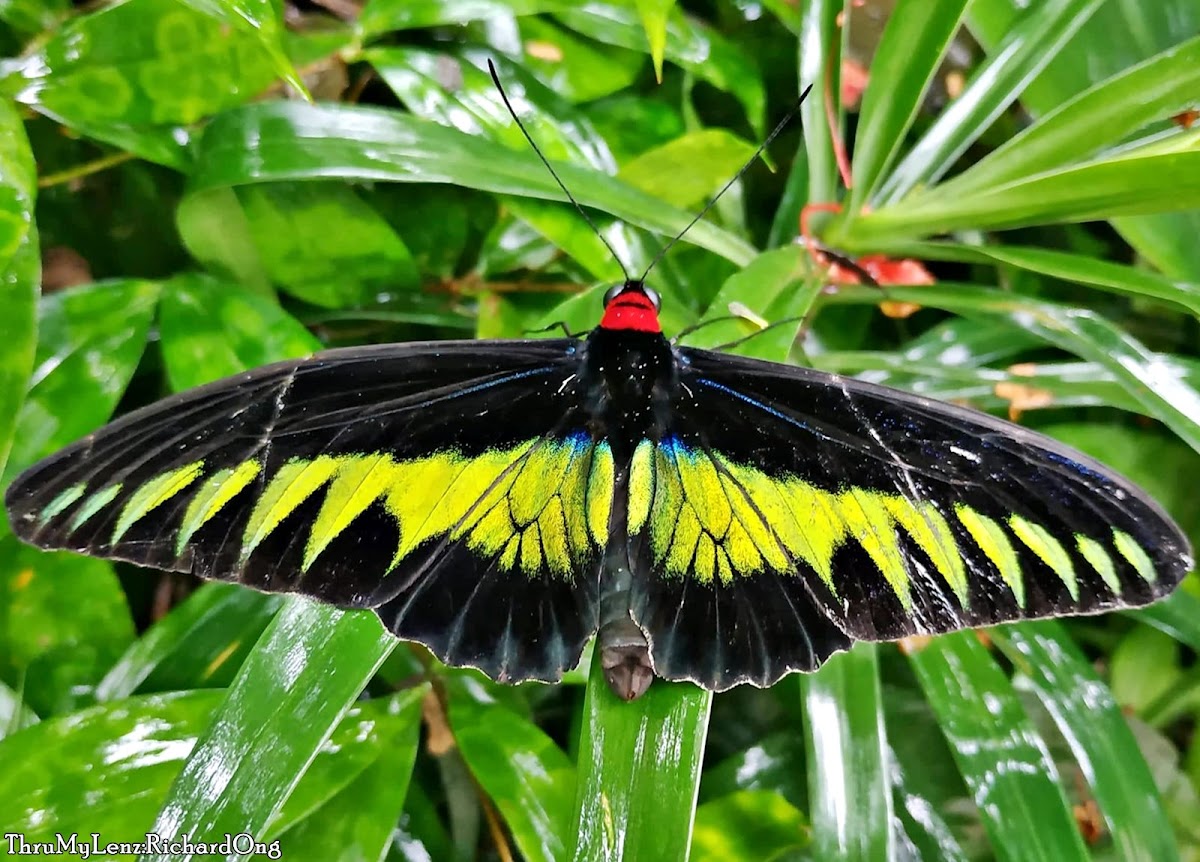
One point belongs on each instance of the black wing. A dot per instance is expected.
(790, 512)
(445, 485)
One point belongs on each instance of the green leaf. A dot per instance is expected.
(105, 769)
(212, 329)
(848, 780)
(277, 141)
(639, 767)
(1092, 723)
(360, 738)
(779, 830)
(761, 290)
(691, 45)
(1119, 35)
(90, 341)
(266, 732)
(1126, 185)
(20, 271)
(1027, 47)
(1145, 667)
(101, 769)
(142, 62)
(712, 156)
(63, 622)
(214, 228)
(1178, 616)
(820, 54)
(361, 819)
(654, 15)
(382, 16)
(1160, 389)
(201, 643)
(1100, 116)
(1079, 268)
(520, 768)
(263, 19)
(30, 17)
(1002, 759)
(576, 67)
(917, 36)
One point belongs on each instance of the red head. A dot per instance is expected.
(632, 307)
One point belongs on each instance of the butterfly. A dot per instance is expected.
(708, 517)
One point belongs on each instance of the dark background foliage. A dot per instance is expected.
(172, 212)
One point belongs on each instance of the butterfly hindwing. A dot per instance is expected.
(453, 489)
(790, 512)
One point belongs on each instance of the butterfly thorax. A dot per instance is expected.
(628, 378)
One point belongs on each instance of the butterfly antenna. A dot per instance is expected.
(774, 134)
(546, 162)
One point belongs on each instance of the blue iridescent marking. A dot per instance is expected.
(712, 384)
(1076, 466)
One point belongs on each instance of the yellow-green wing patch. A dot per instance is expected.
(710, 518)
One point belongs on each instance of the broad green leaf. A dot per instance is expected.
(1092, 723)
(382, 16)
(721, 833)
(201, 643)
(774, 762)
(559, 129)
(89, 343)
(1158, 387)
(917, 36)
(1100, 116)
(263, 19)
(275, 141)
(773, 279)
(1118, 36)
(577, 67)
(1178, 616)
(1128, 185)
(214, 228)
(101, 769)
(132, 749)
(712, 157)
(850, 795)
(337, 766)
(932, 803)
(212, 329)
(360, 820)
(266, 732)
(690, 44)
(639, 767)
(19, 271)
(323, 243)
(1027, 47)
(1145, 667)
(1003, 761)
(63, 622)
(141, 62)
(654, 15)
(527, 776)
(1079, 268)
(30, 17)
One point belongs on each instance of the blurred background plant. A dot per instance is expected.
(172, 212)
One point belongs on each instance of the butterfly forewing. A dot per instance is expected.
(788, 512)
(447, 485)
